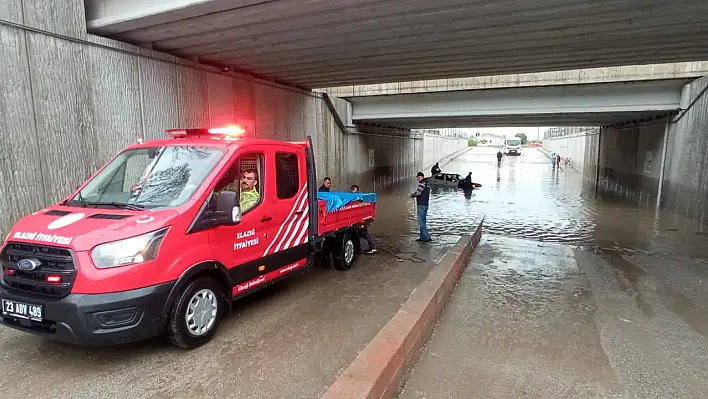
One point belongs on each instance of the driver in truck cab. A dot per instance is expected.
(249, 195)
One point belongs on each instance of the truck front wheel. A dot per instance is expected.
(196, 314)
(345, 252)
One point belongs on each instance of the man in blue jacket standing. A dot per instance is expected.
(422, 199)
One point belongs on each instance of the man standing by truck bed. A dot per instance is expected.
(422, 199)
(326, 184)
(364, 231)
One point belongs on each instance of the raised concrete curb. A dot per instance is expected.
(378, 369)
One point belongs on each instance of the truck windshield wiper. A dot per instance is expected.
(80, 199)
(132, 207)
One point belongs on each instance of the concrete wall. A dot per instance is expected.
(685, 188)
(374, 163)
(630, 161)
(591, 158)
(67, 104)
(437, 148)
(630, 158)
(572, 146)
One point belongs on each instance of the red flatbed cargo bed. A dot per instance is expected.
(355, 212)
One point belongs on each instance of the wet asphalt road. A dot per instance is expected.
(568, 296)
(288, 341)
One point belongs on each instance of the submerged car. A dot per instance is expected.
(445, 179)
(450, 180)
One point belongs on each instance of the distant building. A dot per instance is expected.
(491, 139)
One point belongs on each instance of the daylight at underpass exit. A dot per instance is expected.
(353, 199)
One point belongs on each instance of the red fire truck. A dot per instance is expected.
(162, 238)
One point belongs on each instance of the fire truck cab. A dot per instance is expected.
(163, 237)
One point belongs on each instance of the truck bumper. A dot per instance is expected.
(94, 319)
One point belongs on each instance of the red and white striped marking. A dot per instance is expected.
(293, 227)
(298, 228)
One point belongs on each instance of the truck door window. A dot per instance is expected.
(245, 178)
(287, 175)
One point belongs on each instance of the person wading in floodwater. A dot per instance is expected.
(422, 199)
(435, 169)
(468, 180)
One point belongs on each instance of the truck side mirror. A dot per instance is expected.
(227, 210)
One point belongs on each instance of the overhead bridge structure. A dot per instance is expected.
(326, 43)
(581, 105)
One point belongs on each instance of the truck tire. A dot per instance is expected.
(196, 314)
(345, 252)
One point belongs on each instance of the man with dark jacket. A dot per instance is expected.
(422, 199)
(326, 184)
(435, 169)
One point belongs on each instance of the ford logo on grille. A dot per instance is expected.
(28, 264)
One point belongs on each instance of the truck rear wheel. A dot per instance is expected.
(345, 252)
(196, 314)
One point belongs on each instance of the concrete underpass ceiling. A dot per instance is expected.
(325, 43)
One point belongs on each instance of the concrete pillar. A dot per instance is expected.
(663, 161)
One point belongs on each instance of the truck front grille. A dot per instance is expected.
(53, 261)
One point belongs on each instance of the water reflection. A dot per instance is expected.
(525, 198)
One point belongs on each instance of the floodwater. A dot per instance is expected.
(567, 295)
(526, 199)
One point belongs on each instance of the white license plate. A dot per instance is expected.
(22, 310)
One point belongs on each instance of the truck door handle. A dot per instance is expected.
(266, 218)
(299, 212)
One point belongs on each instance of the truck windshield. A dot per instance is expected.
(513, 142)
(150, 178)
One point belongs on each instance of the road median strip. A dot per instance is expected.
(378, 369)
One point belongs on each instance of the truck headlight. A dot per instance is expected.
(132, 250)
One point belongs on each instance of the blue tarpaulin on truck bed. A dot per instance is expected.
(337, 201)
